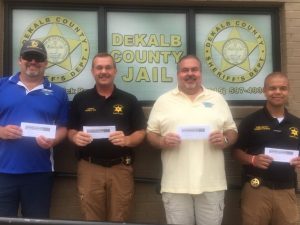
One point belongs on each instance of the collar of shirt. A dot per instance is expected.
(286, 118)
(113, 94)
(16, 79)
(176, 91)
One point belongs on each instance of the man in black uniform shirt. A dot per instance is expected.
(268, 195)
(105, 174)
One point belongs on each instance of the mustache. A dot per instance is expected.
(190, 77)
(103, 76)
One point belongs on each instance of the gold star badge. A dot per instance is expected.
(294, 132)
(118, 109)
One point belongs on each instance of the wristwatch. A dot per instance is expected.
(226, 140)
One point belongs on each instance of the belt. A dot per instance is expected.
(126, 160)
(277, 186)
(256, 182)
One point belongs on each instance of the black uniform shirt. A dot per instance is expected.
(260, 130)
(121, 109)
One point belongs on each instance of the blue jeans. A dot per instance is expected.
(30, 191)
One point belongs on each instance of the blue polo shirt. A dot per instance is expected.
(47, 104)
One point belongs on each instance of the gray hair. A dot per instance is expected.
(188, 57)
(104, 55)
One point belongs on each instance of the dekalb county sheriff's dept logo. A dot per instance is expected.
(294, 132)
(66, 44)
(118, 109)
(235, 51)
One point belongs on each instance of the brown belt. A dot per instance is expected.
(126, 160)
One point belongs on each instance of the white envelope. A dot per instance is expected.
(37, 129)
(193, 132)
(99, 132)
(281, 155)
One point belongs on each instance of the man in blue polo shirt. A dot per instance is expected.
(26, 163)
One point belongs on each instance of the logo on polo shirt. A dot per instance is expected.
(208, 104)
(259, 128)
(118, 109)
(294, 132)
(47, 91)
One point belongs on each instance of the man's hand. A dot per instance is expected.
(81, 138)
(170, 140)
(44, 142)
(131, 140)
(261, 161)
(118, 138)
(10, 132)
(295, 162)
(217, 139)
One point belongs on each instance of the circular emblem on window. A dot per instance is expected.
(235, 51)
(66, 43)
(57, 49)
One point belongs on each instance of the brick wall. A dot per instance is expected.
(290, 50)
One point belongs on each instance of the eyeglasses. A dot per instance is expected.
(37, 58)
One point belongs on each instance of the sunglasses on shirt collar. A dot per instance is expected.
(38, 58)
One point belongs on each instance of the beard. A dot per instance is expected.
(190, 86)
(32, 70)
(32, 73)
(192, 79)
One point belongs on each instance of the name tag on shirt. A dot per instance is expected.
(281, 155)
(194, 132)
(37, 129)
(99, 132)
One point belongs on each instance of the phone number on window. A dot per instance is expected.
(238, 90)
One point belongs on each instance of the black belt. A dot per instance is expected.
(126, 160)
(256, 182)
(277, 186)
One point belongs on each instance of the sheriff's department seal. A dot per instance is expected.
(235, 51)
(66, 43)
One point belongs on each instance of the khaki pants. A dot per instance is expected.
(201, 209)
(105, 193)
(264, 206)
